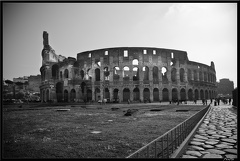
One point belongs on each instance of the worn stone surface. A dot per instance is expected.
(217, 135)
(188, 156)
(198, 140)
(197, 148)
(211, 142)
(215, 151)
(212, 156)
(229, 140)
(196, 143)
(194, 153)
(200, 137)
(224, 146)
(233, 151)
(208, 146)
(230, 156)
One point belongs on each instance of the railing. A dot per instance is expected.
(164, 146)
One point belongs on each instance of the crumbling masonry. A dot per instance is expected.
(124, 73)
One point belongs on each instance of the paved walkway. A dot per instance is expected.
(216, 137)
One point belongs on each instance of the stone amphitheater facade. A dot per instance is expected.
(124, 73)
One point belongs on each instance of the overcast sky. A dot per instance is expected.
(207, 32)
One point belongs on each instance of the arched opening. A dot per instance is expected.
(126, 73)
(183, 94)
(66, 73)
(97, 74)
(155, 74)
(89, 74)
(201, 94)
(174, 94)
(59, 91)
(136, 94)
(55, 71)
(200, 76)
(190, 94)
(164, 75)
(43, 96)
(165, 94)
(47, 95)
(210, 94)
(135, 74)
(182, 72)
(89, 95)
(205, 76)
(65, 95)
(106, 93)
(196, 94)
(189, 75)
(145, 73)
(206, 94)
(72, 95)
(173, 75)
(146, 94)
(106, 73)
(135, 62)
(83, 87)
(115, 95)
(126, 94)
(195, 75)
(97, 94)
(116, 73)
(98, 63)
(155, 94)
(61, 74)
(82, 74)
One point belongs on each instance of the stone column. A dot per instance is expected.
(141, 93)
(179, 93)
(170, 94)
(93, 93)
(151, 94)
(192, 73)
(111, 93)
(120, 94)
(160, 94)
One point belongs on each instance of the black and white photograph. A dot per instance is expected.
(119, 80)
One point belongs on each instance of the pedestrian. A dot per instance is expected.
(211, 100)
(206, 101)
(203, 101)
(229, 101)
(218, 101)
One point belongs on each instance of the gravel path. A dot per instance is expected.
(216, 136)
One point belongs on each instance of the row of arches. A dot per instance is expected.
(134, 95)
(134, 73)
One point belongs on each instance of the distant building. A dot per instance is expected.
(34, 82)
(20, 79)
(225, 87)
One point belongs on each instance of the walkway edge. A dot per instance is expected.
(184, 144)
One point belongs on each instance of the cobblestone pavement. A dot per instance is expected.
(216, 137)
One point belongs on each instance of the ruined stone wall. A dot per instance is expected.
(129, 73)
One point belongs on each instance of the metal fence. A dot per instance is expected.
(165, 145)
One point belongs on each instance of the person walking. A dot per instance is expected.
(229, 101)
(218, 101)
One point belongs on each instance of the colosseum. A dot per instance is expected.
(124, 74)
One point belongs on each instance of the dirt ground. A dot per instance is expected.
(92, 131)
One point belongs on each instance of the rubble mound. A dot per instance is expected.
(130, 112)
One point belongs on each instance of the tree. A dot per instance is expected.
(8, 81)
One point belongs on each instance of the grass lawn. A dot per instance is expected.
(43, 132)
